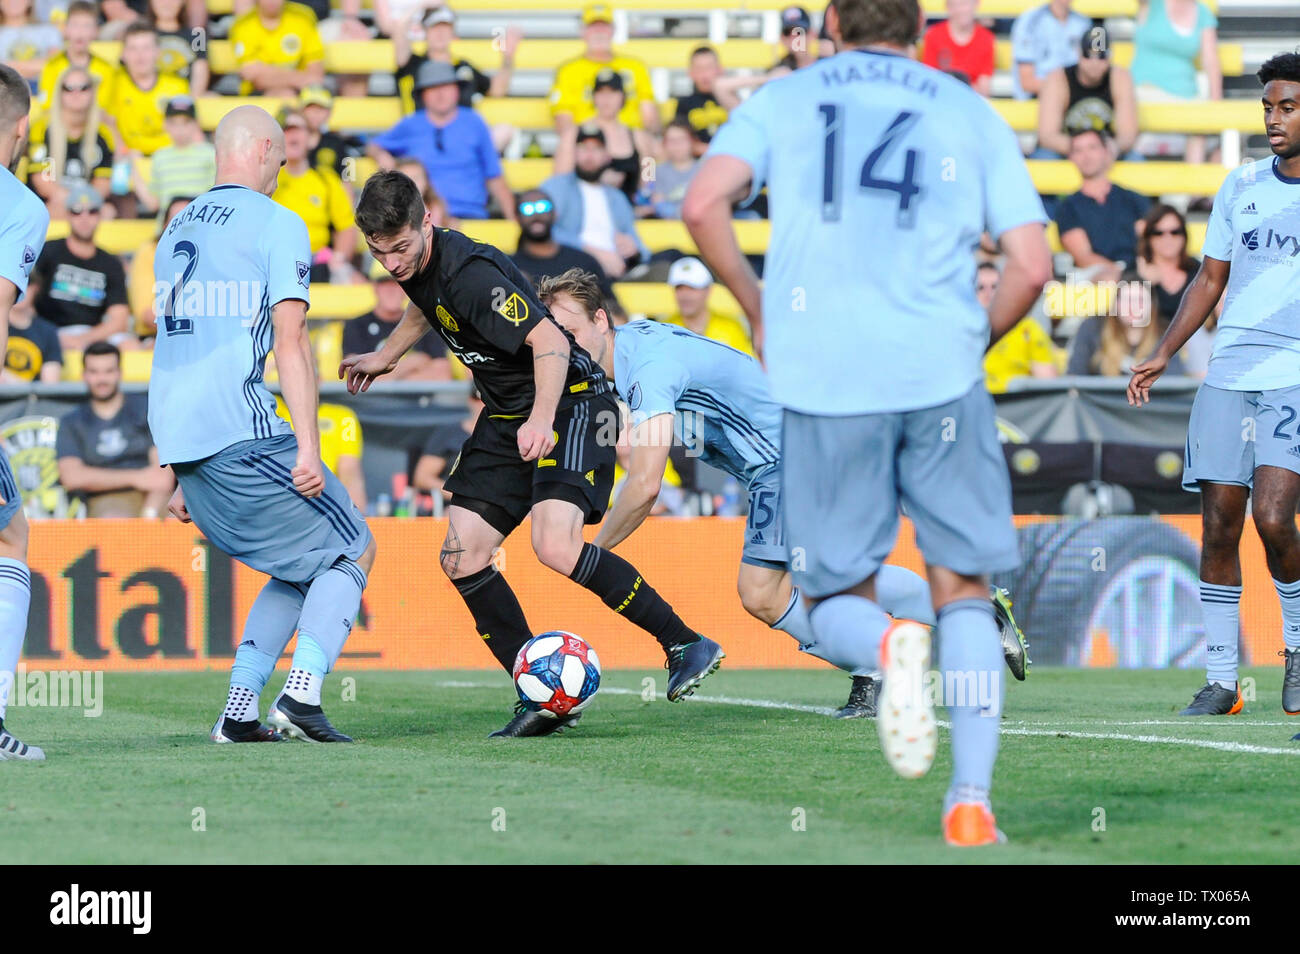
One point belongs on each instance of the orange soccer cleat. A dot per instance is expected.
(971, 825)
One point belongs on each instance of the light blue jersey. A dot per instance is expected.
(720, 396)
(1044, 42)
(882, 174)
(22, 230)
(1255, 225)
(222, 265)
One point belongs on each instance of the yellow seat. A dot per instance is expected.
(1206, 117)
(340, 302)
(657, 300)
(118, 236)
(1060, 177)
(327, 342)
(137, 365)
(72, 365)
(1231, 55)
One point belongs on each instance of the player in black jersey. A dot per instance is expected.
(543, 446)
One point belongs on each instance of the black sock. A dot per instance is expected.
(621, 588)
(497, 613)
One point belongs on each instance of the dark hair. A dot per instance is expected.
(1157, 212)
(984, 266)
(1099, 133)
(102, 347)
(15, 97)
(389, 202)
(878, 21)
(583, 287)
(680, 122)
(82, 6)
(137, 27)
(1283, 66)
(704, 51)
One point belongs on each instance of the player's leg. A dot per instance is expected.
(270, 625)
(15, 599)
(475, 530)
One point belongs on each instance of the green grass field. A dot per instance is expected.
(701, 781)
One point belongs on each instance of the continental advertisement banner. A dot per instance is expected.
(136, 595)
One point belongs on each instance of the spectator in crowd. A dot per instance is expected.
(326, 148)
(346, 25)
(318, 196)
(138, 93)
(959, 44)
(82, 287)
(278, 49)
(1091, 94)
(454, 144)
(176, 47)
(625, 145)
(1026, 351)
(571, 103)
(591, 215)
(1171, 35)
(341, 445)
(187, 167)
(795, 40)
(140, 291)
(1111, 344)
(79, 31)
(104, 449)
(692, 282)
(1044, 39)
(25, 44)
(32, 352)
(443, 447)
(538, 254)
(436, 204)
(70, 144)
(701, 108)
(1099, 225)
(1163, 259)
(427, 361)
(439, 33)
(673, 176)
(118, 15)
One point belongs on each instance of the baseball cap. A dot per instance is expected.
(608, 79)
(181, 106)
(795, 18)
(590, 131)
(315, 96)
(434, 73)
(597, 13)
(689, 271)
(1095, 44)
(82, 198)
(290, 118)
(438, 15)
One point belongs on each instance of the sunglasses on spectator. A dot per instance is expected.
(1168, 231)
(537, 207)
(437, 138)
(76, 89)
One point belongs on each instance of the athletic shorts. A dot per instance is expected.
(845, 479)
(13, 500)
(1230, 433)
(244, 501)
(765, 529)
(491, 479)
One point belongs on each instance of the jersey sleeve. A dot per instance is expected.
(313, 49)
(497, 308)
(21, 240)
(653, 388)
(288, 264)
(1010, 198)
(745, 136)
(1218, 233)
(1024, 45)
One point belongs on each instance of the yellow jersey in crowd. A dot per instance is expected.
(139, 112)
(721, 328)
(340, 432)
(295, 42)
(319, 199)
(101, 69)
(574, 78)
(1014, 356)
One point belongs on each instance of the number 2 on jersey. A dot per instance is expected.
(187, 252)
(905, 188)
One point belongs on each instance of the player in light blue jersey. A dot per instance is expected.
(232, 282)
(23, 223)
(716, 401)
(1243, 437)
(882, 175)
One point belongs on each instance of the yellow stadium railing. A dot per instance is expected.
(1060, 177)
(1206, 117)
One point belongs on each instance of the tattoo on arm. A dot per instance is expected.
(550, 354)
(452, 551)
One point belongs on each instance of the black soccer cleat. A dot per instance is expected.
(528, 724)
(12, 748)
(1015, 649)
(862, 699)
(689, 664)
(228, 730)
(297, 720)
(1291, 682)
(1213, 699)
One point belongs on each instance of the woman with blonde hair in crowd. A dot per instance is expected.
(71, 143)
(1109, 345)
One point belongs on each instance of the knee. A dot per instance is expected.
(1223, 529)
(458, 561)
(1274, 524)
(557, 551)
(761, 602)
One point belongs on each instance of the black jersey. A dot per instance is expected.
(484, 308)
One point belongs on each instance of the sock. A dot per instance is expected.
(497, 613)
(971, 665)
(798, 624)
(904, 594)
(241, 704)
(1289, 595)
(848, 631)
(1221, 610)
(269, 627)
(621, 588)
(308, 672)
(328, 610)
(15, 597)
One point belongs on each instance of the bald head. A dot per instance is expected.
(250, 148)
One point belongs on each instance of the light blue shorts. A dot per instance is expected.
(765, 529)
(1230, 433)
(13, 500)
(846, 478)
(244, 501)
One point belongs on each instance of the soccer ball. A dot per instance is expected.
(556, 673)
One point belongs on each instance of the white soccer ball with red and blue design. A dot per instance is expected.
(557, 673)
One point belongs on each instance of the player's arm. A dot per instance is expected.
(550, 370)
(297, 370)
(161, 482)
(1028, 268)
(649, 443)
(1199, 300)
(361, 370)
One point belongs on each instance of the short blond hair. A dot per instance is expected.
(582, 286)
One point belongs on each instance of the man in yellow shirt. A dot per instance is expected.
(79, 31)
(1024, 351)
(571, 95)
(278, 49)
(316, 193)
(138, 93)
(340, 446)
(691, 283)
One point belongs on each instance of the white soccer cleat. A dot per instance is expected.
(12, 748)
(905, 709)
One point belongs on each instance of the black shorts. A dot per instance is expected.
(491, 479)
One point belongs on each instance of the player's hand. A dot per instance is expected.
(176, 506)
(309, 475)
(536, 439)
(360, 370)
(1144, 375)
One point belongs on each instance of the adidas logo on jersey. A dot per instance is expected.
(1249, 210)
(1294, 450)
(757, 538)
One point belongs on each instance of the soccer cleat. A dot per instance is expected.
(1014, 647)
(228, 730)
(689, 664)
(1291, 682)
(862, 699)
(905, 720)
(530, 724)
(1213, 699)
(971, 825)
(301, 721)
(12, 748)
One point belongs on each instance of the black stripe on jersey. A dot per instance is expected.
(256, 462)
(739, 423)
(325, 501)
(261, 427)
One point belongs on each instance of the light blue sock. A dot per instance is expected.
(795, 620)
(971, 664)
(15, 598)
(327, 615)
(1289, 595)
(267, 631)
(1221, 611)
(848, 630)
(904, 594)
